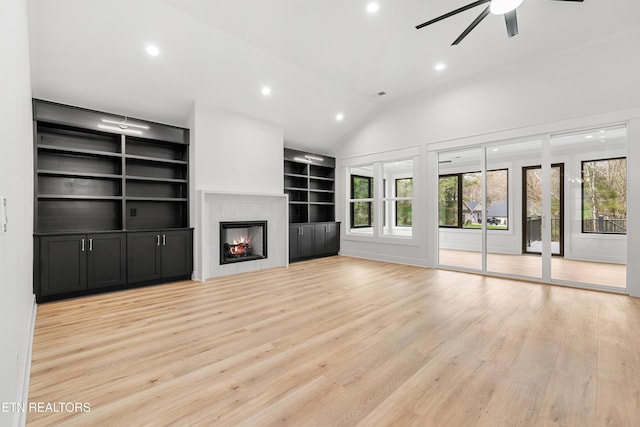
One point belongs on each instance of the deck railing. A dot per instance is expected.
(604, 225)
(589, 225)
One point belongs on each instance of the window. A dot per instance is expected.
(404, 189)
(380, 198)
(604, 196)
(449, 189)
(361, 201)
(467, 211)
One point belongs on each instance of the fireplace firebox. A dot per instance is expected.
(242, 241)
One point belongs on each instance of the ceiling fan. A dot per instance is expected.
(496, 7)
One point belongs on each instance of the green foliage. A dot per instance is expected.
(605, 189)
(362, 187)
(448, 200)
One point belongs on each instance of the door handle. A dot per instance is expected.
(157, 240)
(82, 245)
(164, 240)
(90, 245)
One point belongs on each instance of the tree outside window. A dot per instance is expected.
(604, 196)
(361, 211)
(448, 195)
(467, 211)
(404, 188)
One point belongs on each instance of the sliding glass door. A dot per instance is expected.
(551, 209)
(505, 224)
(595, 179)
(460, 211)
(532, 209)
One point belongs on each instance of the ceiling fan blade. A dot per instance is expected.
(511, 20)
(453, 12)
(472, 26)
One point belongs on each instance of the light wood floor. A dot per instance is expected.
(530, 265)
(341, 342)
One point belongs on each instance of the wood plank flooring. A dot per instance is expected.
(529, 265)
(341, 342)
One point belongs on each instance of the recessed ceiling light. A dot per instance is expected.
(588, 137)
(339, 117)
(495, 149)
(440, 66)
(153, 50)
(266, 91)
(373, 7)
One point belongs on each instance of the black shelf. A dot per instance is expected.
(78, 151)
(156, 159)
(158, 199)
(151, 179)
(93, 187)
(309, 180)
(45, 172)
(76, 197)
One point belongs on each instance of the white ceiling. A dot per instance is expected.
(319, 58)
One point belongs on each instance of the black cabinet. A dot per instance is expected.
(106, 260)
(327, 238)
(99, 179)
(161, 254)
(78, 262)
(313, 240)
(301, 241)
(309, 180)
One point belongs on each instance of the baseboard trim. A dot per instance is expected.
(415, 262)
(20, 418)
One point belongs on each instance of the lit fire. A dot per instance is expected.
(240, 246)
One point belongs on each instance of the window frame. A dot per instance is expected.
(582, 198)
(460, 188)
(398, 199)
(368, 200)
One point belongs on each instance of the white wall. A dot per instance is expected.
(559, 93)
(16, 184)
(236, 153)
(231, 153)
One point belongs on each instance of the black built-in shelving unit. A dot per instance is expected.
(309, 180)
(99, 174)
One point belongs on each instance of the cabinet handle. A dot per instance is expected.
(302, 231)
(164, 240)
(90, 245)
(82, 245)
(157, 240)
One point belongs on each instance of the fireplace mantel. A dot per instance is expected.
(214, 207)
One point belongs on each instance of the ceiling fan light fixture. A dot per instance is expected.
(500, 7)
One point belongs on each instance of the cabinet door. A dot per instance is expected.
(306, 241)
(143, 256)
(320, 239)
(294, 231)
(107, 262)
(332, 245)
(176, 253)
(63, 264)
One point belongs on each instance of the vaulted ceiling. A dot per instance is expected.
(319, 58)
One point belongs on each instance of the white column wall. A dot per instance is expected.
(17, 304)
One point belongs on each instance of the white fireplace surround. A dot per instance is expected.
(215, 207)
